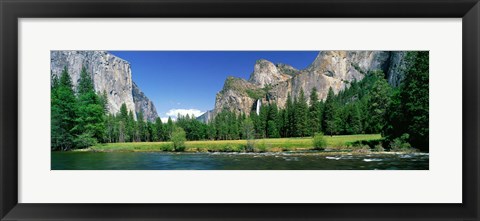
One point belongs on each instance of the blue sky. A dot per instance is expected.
(187, 81)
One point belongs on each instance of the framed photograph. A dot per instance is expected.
(256, 110)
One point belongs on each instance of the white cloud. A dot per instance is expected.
(165, 119)
(174, 112)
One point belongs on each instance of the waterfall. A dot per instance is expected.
(259, 104)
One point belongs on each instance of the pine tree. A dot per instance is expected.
(85, 83)
(248, 129)
(342, 113)
(90, 111)
(110, 129)
(301, 116)
(290, 117)
(122, 132)
(379, 98)
(416, 99)
(63, 114)
(141, 133)
(55, 115)
(314, 112)
(221, 125)
(282, 119)
(330, 117)
(396, 123)
(131, 127)
(169, 128)
(262, 122)
(272, 120)
(124, 112)
(232, 126)
(211, 131)
(122, 119)
(160, 130)
(409, 106)
(104, 102)
(241, 118)
(151, 135)
(354, 121)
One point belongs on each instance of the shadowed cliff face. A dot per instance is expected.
(336, 69)
(109, 73)
(397, 66)
(143, 104)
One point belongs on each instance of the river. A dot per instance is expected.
(236, 161)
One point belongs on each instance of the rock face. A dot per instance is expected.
(237, 95)
(348, 65)
(398, 64)
(266, 73)
(206, 117)
(109, 73)
(143, 104)
(286, 69)
(335, 69)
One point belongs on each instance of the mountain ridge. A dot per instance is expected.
(334, 69)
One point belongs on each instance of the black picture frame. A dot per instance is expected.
(12, 10)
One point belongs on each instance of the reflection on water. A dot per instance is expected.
(236, 161)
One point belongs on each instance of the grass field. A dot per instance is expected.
(261, 145)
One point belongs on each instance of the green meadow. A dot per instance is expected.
(338, 143)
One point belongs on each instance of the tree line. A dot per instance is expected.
(80, 118)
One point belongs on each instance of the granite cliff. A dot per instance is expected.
(110, 74)
(143, 104)
(336, 69)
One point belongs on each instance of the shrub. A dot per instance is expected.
(167, 147)
(255, 94)
(178, 138)
(370, 143)
(378, 148)
(319, 141)
(84, 140)
(228, 148)
(260, 147)
(400, 143)
(250, 147)
(361, 149)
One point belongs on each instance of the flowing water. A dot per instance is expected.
(236, 161)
